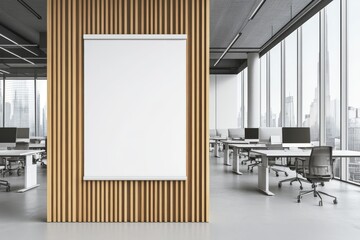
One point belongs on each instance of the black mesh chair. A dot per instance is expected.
(272, 161)
(16, 160)
(296, 165)
(4, 183)
(320, 169)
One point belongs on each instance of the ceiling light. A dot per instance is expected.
(17, 56)
(10, 40)
(228, 48)
(3, 71)
(257, 9)
(30, 9)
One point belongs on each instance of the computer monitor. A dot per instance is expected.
(268, 133)
(23, 133)
(251, 133)
(296, 135)
(7, 137)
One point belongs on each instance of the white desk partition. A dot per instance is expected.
(135, 107)
(236, 132)
(265, 134)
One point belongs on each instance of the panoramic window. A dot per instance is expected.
(41, 107)
(263, 91)
(275, 86)
(20, 104)
(310, 76)
(291, 81)
(353, 87)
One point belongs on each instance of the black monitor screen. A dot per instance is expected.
(7, 135)
(296, 135)
(251, 133)
(23, 133)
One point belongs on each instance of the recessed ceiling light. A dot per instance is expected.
(17, 56)
(256, 10)
(228, 48)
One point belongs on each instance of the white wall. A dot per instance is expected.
(224, 101)
(212, 102)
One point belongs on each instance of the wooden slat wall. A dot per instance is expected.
(70, 199)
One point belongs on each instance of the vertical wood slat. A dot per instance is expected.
(70, 199)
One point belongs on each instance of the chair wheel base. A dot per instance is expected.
(286, 174)
(335, 201)
(301, 188)
(279, 185)
(320, 203)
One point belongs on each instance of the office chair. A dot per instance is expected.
(319, 169)
(12, 161)
(272, 162)
(4, 182)
(298, 169)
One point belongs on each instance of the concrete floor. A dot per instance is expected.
(238, 211)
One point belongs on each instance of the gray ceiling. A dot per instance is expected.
(228, 17)
(20, 25)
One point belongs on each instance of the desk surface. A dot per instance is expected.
(246, 145)
(229, 141)
(38, 138)
(18, 153)
(304, 153)
(36, 145)
(218, 138)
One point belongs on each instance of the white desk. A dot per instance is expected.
(30, 167)
(227, 149)
(263, 168)
(217, 140)
(247, 147)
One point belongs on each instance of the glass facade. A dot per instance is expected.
(41, 107)
(20, 106)
(290, 110)
(310, 76)
(353, 61)
(275, 86)
(263, 86)
(330, 78)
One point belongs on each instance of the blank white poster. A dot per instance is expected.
(135, 107)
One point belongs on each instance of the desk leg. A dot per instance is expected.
(263, 176)
(216, 149)
(236, 161)
(227, 155)
(30, 174)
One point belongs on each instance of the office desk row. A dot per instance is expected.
(30, 165)
(263, 168)
(262, 150)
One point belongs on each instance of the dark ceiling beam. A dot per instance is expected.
(310, 10)
(226, 66)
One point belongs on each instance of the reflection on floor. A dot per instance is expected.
(238, 211)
